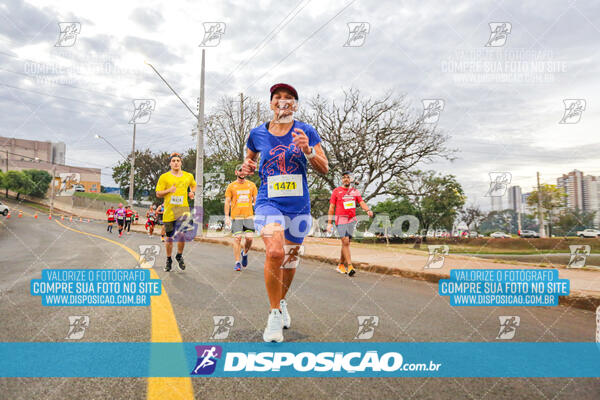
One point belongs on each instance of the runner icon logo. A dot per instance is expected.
(579, 253)
(68, 32)
(508, 327)
(212, 34)
(77, 326)
(142, 111)
(148, 254)
(366, 326)
(499, 32)
(223, 324)
(207, 359)
(432, 109)
(573, 110)
(437, 255)
(499, 182)
(357, 33)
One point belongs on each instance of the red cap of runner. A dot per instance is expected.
(285, 86)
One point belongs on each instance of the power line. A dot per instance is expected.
(302, 43)
(267, 39)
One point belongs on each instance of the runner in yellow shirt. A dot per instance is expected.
(173, 187)
(240, 197)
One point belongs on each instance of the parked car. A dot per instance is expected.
(3, 209)
(589, 233)
(500, 235)
(529, 234)
(79, 188)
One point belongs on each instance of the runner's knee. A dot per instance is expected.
(275, 253)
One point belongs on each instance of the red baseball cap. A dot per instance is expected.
(285, 86)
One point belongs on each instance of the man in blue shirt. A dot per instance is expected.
(282, 210)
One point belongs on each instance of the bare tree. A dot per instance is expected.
(378, 139)
(472, 216)
(229, 123)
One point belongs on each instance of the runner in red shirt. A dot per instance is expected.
(344, 200)
(110, 214)
(128, 218)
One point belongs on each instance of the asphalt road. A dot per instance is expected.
(324, 306)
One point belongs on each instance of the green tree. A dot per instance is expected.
(3, 182)
(41, 181)
(553, 198)
(571, 221)
(19, 182)
(436, 198)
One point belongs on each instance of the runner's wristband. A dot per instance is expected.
(312, 153)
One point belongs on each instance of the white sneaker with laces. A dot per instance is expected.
(274, 330)
(285, 315)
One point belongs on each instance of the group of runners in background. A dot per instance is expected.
(279, 210)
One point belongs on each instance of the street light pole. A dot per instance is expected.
(199, 194)
(132, 164)
(111, 145)
(52, 189)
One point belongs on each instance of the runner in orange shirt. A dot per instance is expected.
(240, 197)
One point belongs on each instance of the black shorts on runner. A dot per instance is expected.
(120, 221)
(159, 221)
(346, 230)
(242, 225)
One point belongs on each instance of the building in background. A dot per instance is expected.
(591, 196)
(515, 199)
(583, 192)
(572, 184)
(20, 154)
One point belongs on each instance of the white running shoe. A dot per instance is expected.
(285, 315)
(274, 331)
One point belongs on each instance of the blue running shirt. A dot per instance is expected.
(280, 156)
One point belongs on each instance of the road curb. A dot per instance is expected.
(575, 299)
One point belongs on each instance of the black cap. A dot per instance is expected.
(346, 173)
(285, 86)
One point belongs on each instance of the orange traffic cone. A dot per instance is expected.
(62, 217)
(49, 216)
(20, 214)
(35, 215)
(71, 218)
(88, 220)
(8, 215)
(80, 219)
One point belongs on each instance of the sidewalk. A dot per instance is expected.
(585, 284)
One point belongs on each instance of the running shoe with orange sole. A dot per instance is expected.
(351, 270)
(341, 269)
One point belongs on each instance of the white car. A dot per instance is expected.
(500, 235)
(3, 209)
(589, 233)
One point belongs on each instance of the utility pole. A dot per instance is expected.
(7, 171)
(241, 115)
(199, 194)
(132, 163)
(539, 201)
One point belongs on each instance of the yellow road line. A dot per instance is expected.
(164, 329)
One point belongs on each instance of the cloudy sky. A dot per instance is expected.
(503, 94)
